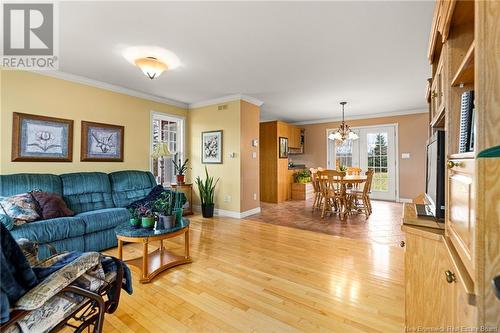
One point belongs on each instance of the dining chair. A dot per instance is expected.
(317, 193)
(353, 171)
(332, 191)
(360, 198)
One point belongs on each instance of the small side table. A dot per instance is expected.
(187, 189)
(151, 264)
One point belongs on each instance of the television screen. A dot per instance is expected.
(434, 184)
(431, 183)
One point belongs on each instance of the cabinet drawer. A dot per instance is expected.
(460, 209)
(463, 300)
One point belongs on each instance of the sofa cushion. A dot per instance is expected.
(103, 219)
(26, 182)
(129, 186)
(86, 191)
(50, 205)
(47, 231)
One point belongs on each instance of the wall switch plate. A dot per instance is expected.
(254, 154)
(405, 156)
(227, 198)
(232, 155)
(255, 196)
(255, 143)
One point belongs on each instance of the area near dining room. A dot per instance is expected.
(396, 153)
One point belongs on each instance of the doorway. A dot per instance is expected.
(375, 149)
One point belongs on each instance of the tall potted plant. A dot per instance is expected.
(180, 169)
(207, 190)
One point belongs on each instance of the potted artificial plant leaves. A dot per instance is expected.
(147, 216)
(168, 208)
(135, 221)
(206, 189)
(180, 170)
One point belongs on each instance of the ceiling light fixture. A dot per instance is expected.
(344, 132)
(151, 66)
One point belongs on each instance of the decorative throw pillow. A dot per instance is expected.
(21, 208)
(51, 205)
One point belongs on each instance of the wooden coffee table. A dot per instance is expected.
(159, 260)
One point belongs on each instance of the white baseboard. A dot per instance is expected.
(230, 213)
(405, 200)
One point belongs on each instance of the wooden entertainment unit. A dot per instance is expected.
(449, 271)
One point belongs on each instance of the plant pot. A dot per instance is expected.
(148, 222)
(166, 222)
(207, 210)
(135, 223)
(178, 214)
(180, 179)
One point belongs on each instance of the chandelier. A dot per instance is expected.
(344, 132)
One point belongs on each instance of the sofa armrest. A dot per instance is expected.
(57, 281)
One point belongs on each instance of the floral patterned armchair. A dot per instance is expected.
(76, 290)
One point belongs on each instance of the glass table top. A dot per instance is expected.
(128, 230)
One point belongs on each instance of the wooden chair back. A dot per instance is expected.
(368, 185)
(314, 179)
(321, 169)
(353, 171)
(330, 182)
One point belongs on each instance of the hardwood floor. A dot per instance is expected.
(249, 276)
(383, 226)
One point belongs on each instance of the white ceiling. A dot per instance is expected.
(299, 58)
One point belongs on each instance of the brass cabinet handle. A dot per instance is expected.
(452, 164)
(450, 276)
(434, 94)
(402, 243)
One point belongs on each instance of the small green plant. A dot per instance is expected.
(206, 188)
(343, 168)
(180, 168)
(302, 177)
(144, 211)
(133, 213)
(164, 204)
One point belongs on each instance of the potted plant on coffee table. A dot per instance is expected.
(168, 208)
(135, 221)
(147, 216)
(207, 190)
(180, 170)
(163, 208)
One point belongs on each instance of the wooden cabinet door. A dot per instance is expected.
(426, 288)
(461, 212)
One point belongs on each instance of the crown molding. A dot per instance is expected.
(363, 116)
(111, 87)
(225, 99)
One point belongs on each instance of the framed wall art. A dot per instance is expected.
(211, 147)
(283, 143)
(41, 139)
(101, 142)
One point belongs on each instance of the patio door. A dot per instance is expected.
(375, 149)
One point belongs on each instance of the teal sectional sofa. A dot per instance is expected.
(98, 200)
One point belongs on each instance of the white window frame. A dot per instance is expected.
(396, 149)
(181, 136)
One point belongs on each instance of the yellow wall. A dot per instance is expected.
(209, 118)
(32, 93)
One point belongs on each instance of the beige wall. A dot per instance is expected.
(239, 175)
(249, 123)
(209, 118)
(412, 138)
(32, 93)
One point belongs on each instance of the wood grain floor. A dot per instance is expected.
(250, 276)
(383, 226)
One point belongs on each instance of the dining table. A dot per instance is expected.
(344, 181)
